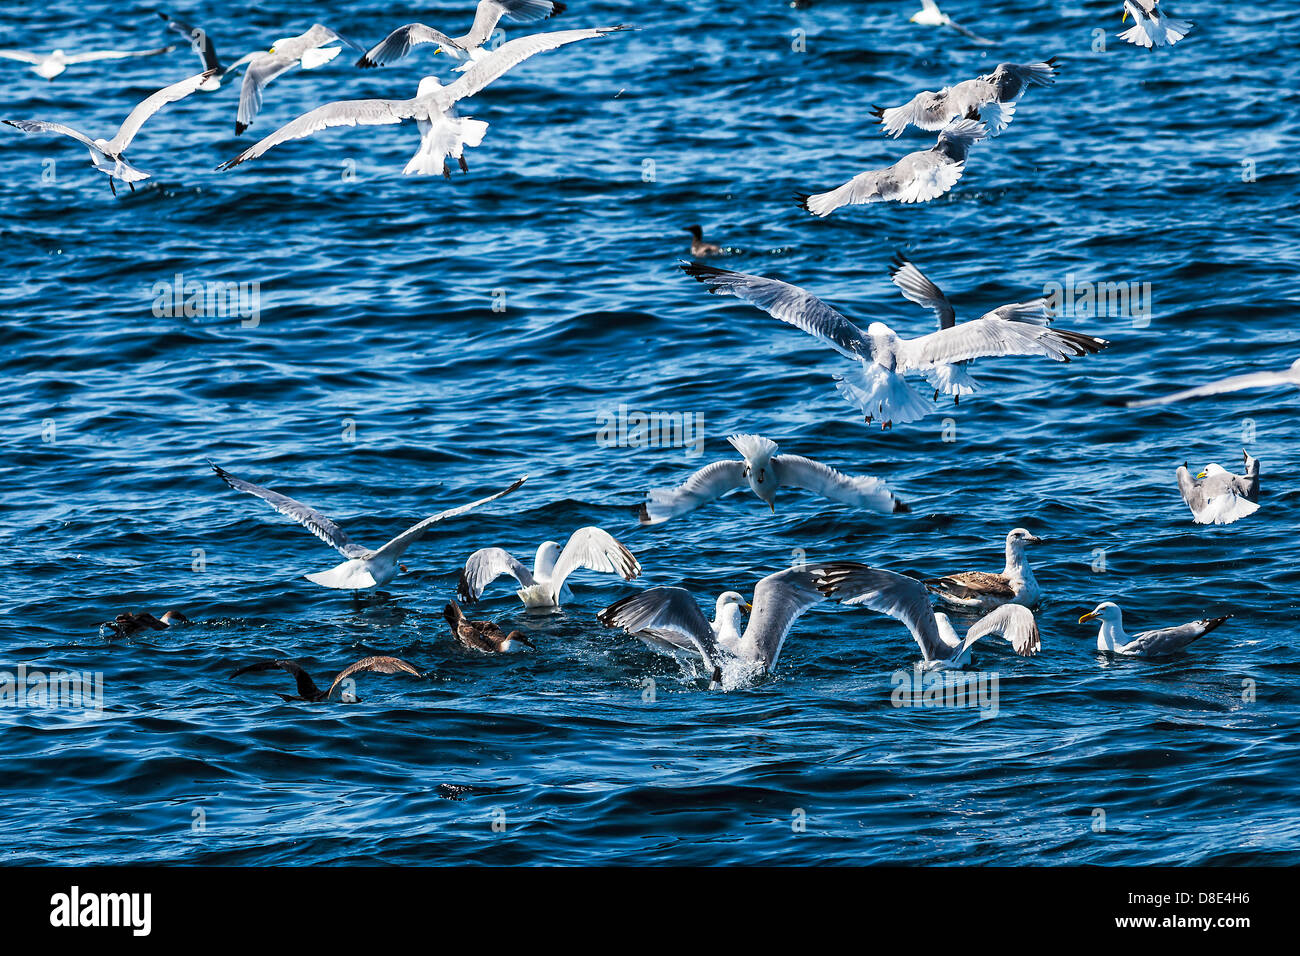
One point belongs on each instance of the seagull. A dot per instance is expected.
(468, 48)
(876, 384)
(1236, 383)
(130, 623)
(765, 472)
(307, 689)
(310, 50)
(50, 65)
(106, 155)
(591, 548)
(1217, 496)
(364, 568)
(906, 599)
(1111, 639)
(1151, 28)
(931, 16)
(983, 590)
(670, 618)
(483, 635)
(442, 133)
(917, 177)
(700, 248)
(952, 378)
(201, 43)
(1001, 88)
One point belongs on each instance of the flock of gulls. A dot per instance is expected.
(947, 613)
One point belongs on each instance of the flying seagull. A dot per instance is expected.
(1236, 383)
(201, 43)
(1217, 496)
(468, 48)
(483, 635)
(983, 590)
(700, 248)
(443, 134)
(307, 689)
(310, 50)
(765, 472)
(669, 618)
(966, 100)
(906, 599)
(543, 587)
(1152, 28)
(917, 177)
(106, 154)
(1111, 639)
(931, 16)
(363, 568)
(881, 357)
(953, 378)
(50, 65)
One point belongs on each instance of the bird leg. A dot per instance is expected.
(112, 186)
(131, 184)
(464, 166)
(446, 170)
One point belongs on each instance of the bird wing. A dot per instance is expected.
(89, 56)
(486, 565)
(399, 43)
(789, 303)
(394, 548)
(200, 42)
(306, 686)
(856, 491)
(340, 113)
(987, 337)
(919, 289)
(1170, 640)
(1035, 311)
(374, 665)
(1190, 488)
(40, 126)
(902, 598)
(779, 600)
(22, 56)
(596, 550)
(152, 104)
(709, 483)
(1235, 383)
(973, 584)
(311, 519)
(489, 14)
(508, 55)
(669, 614)
(262, 69)
(1012, 622)
(969, 34)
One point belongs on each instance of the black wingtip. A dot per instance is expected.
(900, 507)
(878, 112)
(558, 8)
(802, 199)
(240, 127)
(642, 513)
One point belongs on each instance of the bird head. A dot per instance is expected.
(1020, 537)
(428, 86)
(1108, 612)
(757, 452)
(695, 231)
(519, 636)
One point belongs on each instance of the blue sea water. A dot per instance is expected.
(419, 343)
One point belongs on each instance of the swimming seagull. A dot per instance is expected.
(876, 384)
(952, 378)
(931, 16)
(201, 43)
(1217, 496)
(1151, 28)
(310, 50)
(130, 623)
(668, 619)
(543, 587)
(700, 248)
(1236, 383)
(917, 177)
(1001, 88)
(106, 154)
(468, 48)
(1111, 638)
(483, 636)
(906, 599)
(983, 590)
(765, 472)
(364, 568)
(307, 689)
(443, 134)
(50, 65)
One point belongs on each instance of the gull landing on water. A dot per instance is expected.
(106, 154)
(765, 472)
(364, 568)
(983, 591)
(50, 65)
(468, 48)
(543, 587)
(931, 16)
(1217, 496)
(1152, 28)
(1111, 639)
(307, 689)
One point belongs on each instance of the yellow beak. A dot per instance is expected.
(1201, 475)
(1125, 20)
(437, 51)
(1087, 617)
(747, 607)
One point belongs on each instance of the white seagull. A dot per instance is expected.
(1111, 639)
(363, 568)
(1001, 88)
(881, 357)
(917, 177)
(1217, 496)
(984, 590)
(906, 599)
(106, 154)
(1151, 28)
(931, 16)
(765, 472)
(50, 65)
(443, 133)
(468, 48)
(201, 43)
(543, 587)
(310, 50)
(1236, 383)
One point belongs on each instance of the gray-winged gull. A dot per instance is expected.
(969, 99)
(1111, 638)
(1235, 383)
(1152, 27)
(1217, 496)
(931, 16)
(50, 65)
(467, 48)
(543, 587)
(310, 50)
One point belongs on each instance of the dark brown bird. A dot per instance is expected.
(129, 623)
(483, 635)
(699, 247)
(307, 689)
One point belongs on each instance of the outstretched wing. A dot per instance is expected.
(486, 565)
(489, 14)
(394, 548)
(152, 104)
(779, 600)
(399, 43)
(709, 483)
(90, 56)
(984, 338)
(509, 55)
(373, 665)
(199, 40)
(341, 113)
(306, 686)
(596, 550)
(311, 519)
(902, 598)
(668, 614)
(1012, 622)
(856, 491)
(1235, 383)
(40, 126)
(22, 56)
(919, 289)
